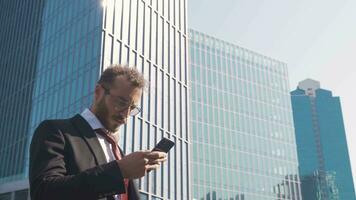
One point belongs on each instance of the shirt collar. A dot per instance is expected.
(91, 119)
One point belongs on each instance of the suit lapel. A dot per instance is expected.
(92, 141)
(90, 138)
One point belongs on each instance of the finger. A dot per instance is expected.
(145, 151)
(158, 161)
(152, 162)
(151, 167)
(146, 161)
(157, 149)
(156, 155)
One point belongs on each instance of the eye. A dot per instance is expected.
(122, 103)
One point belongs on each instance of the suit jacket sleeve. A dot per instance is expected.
(48, 174)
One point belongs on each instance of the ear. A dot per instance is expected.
(98, 92)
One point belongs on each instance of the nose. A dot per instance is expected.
(125, 113)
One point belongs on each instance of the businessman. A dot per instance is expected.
(79, 158)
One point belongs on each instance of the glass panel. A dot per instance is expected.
(166, 44)
(153, 40)
(160, 100)
(133, 24)
(5, 196)
(160, 45)
(172, 107)
(166, 101)
(109, 15)
(138, 135)
(125, 22)
(178, 111)
(108, 50)
(147, 34)
(145, 97)
(140, 29)
(153, 94)
(173, 169)
(118, 18)
(143, 196)
(184, 114)
(21, 195)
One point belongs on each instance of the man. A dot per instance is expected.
(78, 158)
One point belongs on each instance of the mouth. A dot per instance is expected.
(119, 120)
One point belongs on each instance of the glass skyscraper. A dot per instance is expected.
(50, 72)
(321, 142)
(19, 49)
(243, 143)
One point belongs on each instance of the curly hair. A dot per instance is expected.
(109, 74)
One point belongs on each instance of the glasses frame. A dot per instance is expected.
(133, 109)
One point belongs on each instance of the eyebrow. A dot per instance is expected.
(122, 99)
(125, 100)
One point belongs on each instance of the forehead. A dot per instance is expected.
(123, 87)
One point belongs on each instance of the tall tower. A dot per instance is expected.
(324, 164)
(152, 35)
(20, 45)
(75, 42)
(243, 143)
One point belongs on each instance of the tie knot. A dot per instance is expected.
(106, 135)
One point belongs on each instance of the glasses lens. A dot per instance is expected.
(135, 111)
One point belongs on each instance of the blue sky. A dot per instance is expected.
(316, 38)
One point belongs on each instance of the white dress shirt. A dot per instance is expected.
(96, 124)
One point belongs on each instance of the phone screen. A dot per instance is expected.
(164, 145)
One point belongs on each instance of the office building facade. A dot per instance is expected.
(19, 49)
(243, 143)
(323, 156)
(319, 185)
(77, 40)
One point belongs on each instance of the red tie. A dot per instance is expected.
(115, 149)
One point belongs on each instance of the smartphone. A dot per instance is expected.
(164, 145)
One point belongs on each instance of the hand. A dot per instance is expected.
(135, 165)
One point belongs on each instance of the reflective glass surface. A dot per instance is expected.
(152, 36)
(324, 163)
(243, 144)
(76, 41)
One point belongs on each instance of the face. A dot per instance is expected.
(113, 106)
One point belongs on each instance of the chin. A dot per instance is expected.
(115, 127)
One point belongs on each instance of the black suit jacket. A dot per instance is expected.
(67, 162)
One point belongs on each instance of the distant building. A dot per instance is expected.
(319, 186)
(243, 142)
(324, 164)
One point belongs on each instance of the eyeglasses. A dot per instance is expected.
(121, 104)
